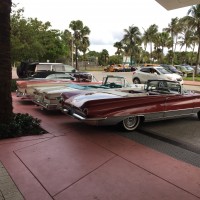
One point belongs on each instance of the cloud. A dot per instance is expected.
(106, 19)
(106, 37)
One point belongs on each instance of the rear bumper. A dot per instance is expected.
(23, 95)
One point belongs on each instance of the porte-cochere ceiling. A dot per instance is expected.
(174, 4)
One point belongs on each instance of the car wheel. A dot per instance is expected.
(136, 81)
(130, 123)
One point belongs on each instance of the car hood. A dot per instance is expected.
(59, 90)
(173, 76)
(79, 100)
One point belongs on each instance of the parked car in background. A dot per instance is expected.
(49, 75)
(117, 68)
(161, 99)
(198, 69)
(27, 69)
(149, 65)
(172, 69)
(144, 74)
(187, 71)
(111, 68)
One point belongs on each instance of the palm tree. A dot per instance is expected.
(80, 34)
(105, 56)
(145, 39)
(174, 28)
(161, 41)
(150, 35)
(194, 41)
(119, 47)
(193, 22)
(84, 47)
(132, 40)
(6, 109)
(186, 39)
(119, 51)
(68, 44)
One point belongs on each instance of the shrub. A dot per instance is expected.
(21, 125)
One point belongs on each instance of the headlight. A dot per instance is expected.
(170, 78)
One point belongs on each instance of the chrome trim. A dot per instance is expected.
(19, 94)
(86, 119)
(183, 112)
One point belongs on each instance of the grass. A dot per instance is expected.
(197, 78)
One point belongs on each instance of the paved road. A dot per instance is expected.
(128, 75)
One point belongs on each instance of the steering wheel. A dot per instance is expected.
(112, 85)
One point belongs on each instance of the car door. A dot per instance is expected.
(146, 74)
(178, 105)
(154, 107)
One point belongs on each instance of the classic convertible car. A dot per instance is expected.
(48, 97)
(161, 99)
(25, 87)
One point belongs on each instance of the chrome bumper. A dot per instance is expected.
(22, 95)
(47, 106)
(91, 121)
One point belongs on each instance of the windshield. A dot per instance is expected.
(163, 71)
(172, 67)
(121, 81)
(163, 86)
(188, 68)
(183, 67)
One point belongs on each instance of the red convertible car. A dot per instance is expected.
(161, 99)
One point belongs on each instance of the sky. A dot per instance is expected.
(106, 19)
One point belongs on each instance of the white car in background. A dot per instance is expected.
(144, 74)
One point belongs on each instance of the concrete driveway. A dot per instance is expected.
(75, 161)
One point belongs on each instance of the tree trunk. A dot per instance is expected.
(198, 59)
(77, 58)
(192, 55)
(6, 110)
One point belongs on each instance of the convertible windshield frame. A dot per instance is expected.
(163, 86)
